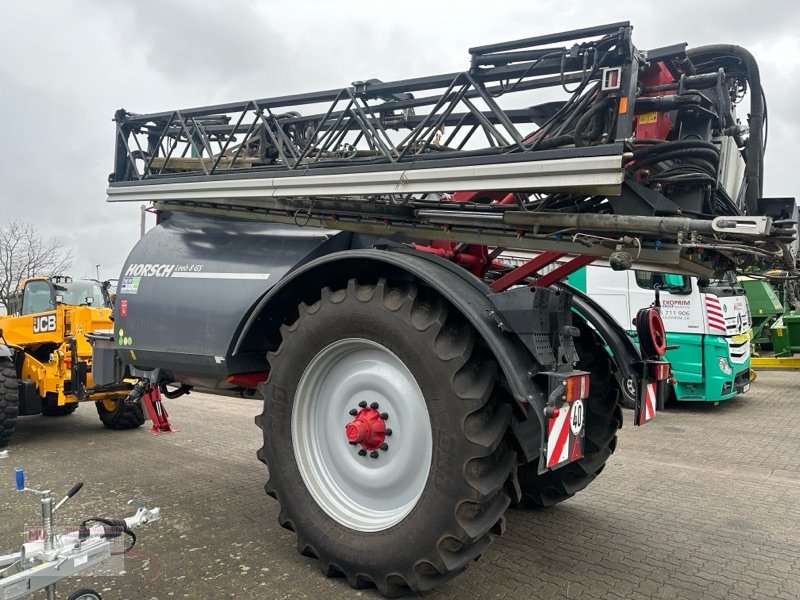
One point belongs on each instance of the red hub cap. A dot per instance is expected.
(367, 429)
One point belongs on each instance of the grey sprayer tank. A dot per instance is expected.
(196, 280)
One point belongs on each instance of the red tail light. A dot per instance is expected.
(576, 387)
(659, 371)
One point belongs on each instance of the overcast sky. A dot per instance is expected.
(66, 66)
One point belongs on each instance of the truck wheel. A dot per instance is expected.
(383, 438)
(50, 407)
(603, 419)
(9, 400)
(116, 414)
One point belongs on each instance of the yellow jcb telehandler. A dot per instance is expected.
(46, 357)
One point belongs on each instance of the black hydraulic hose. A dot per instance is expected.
(576, 112)
(183, 389)
(555, 142)
(588, 116)
(686, 153)
(754, 169)
(553, 121)
(664, 146)
(596, 127)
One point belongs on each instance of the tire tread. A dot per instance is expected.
(9, 400)
(125, 416)
(479, 510)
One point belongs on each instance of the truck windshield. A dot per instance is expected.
(675, 284)
(727, 285)
(83, 291)
(729, 278)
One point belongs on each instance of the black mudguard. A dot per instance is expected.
(468, 294)
(624, 353)
(461, 289)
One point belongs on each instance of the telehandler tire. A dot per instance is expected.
(9, 400)
(50, 407)
(116, 414)
(416, 510)
(603, 419)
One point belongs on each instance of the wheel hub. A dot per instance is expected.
(368, 429)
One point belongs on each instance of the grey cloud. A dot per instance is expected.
(65, 68)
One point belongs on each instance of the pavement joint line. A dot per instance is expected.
(716, 470)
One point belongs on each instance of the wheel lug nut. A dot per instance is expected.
(353, 411)
(362, 452)
(388, 431)
(384, 415)
(374, 454)
(374, 405)
(363, 404)
(384, 447)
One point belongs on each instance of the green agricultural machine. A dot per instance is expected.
(776, 322)
(765, 308)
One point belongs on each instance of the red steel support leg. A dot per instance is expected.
(158, 414)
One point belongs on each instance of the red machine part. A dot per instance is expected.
(651, 333)
(562, 271)
(367, 429)
(477, 259)
(537, 264)
(248, 380)
(473, 257)
(151, 400)
(654, 125)
(484, 197)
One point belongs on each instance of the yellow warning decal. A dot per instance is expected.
(647, 118)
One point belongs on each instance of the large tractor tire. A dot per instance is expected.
(116, 414)
(9, 400)
(409, 508)
(603, 419)
(50, 407)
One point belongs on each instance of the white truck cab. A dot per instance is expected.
(707, 325)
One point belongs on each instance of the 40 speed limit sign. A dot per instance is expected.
(565, 434)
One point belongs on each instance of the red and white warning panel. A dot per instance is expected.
(648, 408)
(714, 316)
(656, 374)
(566, 417)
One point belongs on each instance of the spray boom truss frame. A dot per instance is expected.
(383, 158)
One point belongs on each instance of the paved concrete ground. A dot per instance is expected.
(702, 503)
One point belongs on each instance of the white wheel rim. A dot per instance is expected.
(360, 492)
